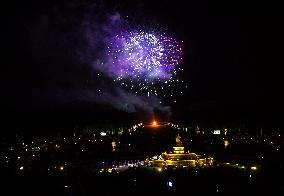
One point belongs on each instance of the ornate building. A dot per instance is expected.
(179, 158)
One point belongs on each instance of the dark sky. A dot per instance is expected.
(233, 60)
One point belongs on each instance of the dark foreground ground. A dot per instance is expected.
(137, 181)
(73, 166)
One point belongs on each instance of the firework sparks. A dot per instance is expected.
(144, 62)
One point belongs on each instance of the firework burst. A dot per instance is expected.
(143, 61)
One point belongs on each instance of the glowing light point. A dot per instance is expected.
(154, 123)
(169, 184)
(253, 168)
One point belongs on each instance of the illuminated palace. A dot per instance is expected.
(179, 158)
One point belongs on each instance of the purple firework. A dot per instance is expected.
(144, 58)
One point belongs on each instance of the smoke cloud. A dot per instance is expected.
(74, 43)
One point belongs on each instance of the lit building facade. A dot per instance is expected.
(179, 158)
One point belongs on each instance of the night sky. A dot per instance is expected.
(232, 63)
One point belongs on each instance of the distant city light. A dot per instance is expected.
(113, 145)
(61, 168)
(170, 184)
(226, 143)
(253, 168)
(216, 132)
(21, 168)
(103, 133)
(154, 123)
